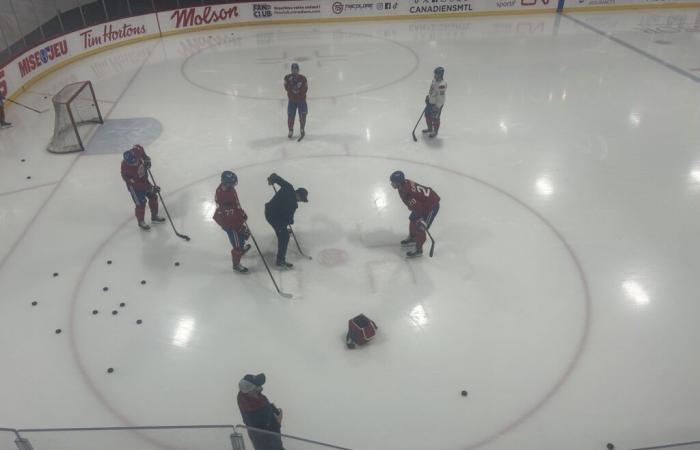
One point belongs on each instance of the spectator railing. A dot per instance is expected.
(249, 438)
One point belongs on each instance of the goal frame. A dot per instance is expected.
(67, 105)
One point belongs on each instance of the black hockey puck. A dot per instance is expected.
(58, 331)
(177, 263)
(55, 274)
(94, 311)
(34, 303)
(610, 446)
(464, 393)
(143, 281)
(109, 261)
(115, 312)
(105, 288)
(110, 370)
(122, 304)
(22, 160)
(138, 322)
(29, 177)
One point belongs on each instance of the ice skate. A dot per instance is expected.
(414, 253)
(240, 268)
(284, 265)
(427, 130)
(144, 226)
(5, 124)
(432, 134)
(157, 219)
(408, 241)
(290, 134)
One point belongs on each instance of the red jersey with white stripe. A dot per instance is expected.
(136, 175)
(229, 213)
(418, 198)
(296, 87)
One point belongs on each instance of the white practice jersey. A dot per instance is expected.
(436, 96)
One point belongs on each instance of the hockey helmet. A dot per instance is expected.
(397, 178)
(137, 147)
(130, 157)
(228, 177)
(439, 73)
(295, 68)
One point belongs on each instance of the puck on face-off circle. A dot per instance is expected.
(139, 322)
(34, 303)
(58, 331)
(109, 261)
(29, 178)
(105, 288)
(94, 311)
(55, 274)
(115, 312)
(122, 304)
(610, 446)
(464, 393)
(177, 263)
(22, 160)
(143, 281)
(110, 370)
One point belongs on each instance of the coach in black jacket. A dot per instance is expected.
(279, 212)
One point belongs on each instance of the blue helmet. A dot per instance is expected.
(228, 177)
(439, 73)
(397, 178)
(130, 157)
(295, 68)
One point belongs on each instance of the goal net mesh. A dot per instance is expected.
(75, 106)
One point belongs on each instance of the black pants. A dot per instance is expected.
(282, 238)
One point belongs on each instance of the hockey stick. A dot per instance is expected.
(432, 243)
(283, 294)
(25, 106)
(294, 235)
(183, 236)
(415, 139)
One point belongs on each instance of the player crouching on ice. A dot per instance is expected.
(231, 217)
(424, 204)
(434, 102)
(135, 173)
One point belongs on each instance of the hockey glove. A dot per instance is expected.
(155, 189)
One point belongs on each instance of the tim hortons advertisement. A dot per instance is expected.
(200, 17)
(118, 31)
(285, 10)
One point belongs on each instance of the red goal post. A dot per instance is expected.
(75, 105)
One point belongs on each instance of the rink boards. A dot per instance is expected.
(36, 63)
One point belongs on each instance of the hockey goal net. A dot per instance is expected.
(75, 105)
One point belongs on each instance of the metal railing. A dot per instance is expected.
(175, 437)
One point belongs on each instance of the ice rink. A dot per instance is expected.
(563, 293)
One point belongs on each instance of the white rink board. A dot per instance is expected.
(572, 5)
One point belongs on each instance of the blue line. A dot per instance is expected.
(656, 59)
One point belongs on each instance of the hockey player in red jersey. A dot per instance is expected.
(3, 124)
(135, 173)
(424, 204)
(231, 217)
(296, 87)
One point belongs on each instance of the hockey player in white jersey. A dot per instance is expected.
(434, 102)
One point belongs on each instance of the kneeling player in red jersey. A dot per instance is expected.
(424, 204)
(231, 217)
(135, 173)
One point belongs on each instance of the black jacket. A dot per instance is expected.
(280, 209)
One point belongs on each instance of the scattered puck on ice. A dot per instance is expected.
(34, 303)
(115, 312)
(105, 288)
(122, 304)
(464, 393)
(177, 263)
(58, 331)
(29, 177)
(109, 261)
(22, 160)
(55, 274)
(110, 370)
(610, 446)
(45, 96)
(143, 281)
(94, 311)
(138, 322)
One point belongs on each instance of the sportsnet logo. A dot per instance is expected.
(42, 56)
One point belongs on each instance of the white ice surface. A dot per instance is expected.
(563, 291)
